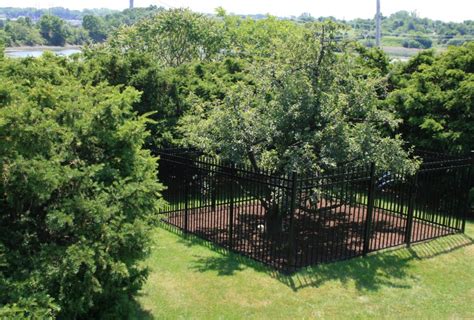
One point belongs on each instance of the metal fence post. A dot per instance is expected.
(291, 233)
(467, 211)
(370, 209)
(214, 179)
(213, 193)
(411, 209)
(231, 207)
(186, 198)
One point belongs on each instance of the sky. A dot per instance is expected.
(450, 10)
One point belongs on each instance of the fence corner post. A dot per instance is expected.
(411, 209)
(468, 209)
(291, 234)
(231, 207)
(370, 210)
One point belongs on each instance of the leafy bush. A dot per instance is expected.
(435, 98)
(424, 41)
(165, 90)
(419, 42)
(173, 37)
(77, 193)
(456, 42)
(411, 43)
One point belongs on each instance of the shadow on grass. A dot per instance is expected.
(138, 313)
(127, 309)
(371, 273)
(225, 265)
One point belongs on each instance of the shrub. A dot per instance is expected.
(424, 41)
(456, 42)
(77, 193)
(419, 42)
(434, 95)
(411, 43)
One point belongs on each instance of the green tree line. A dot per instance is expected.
(402, 28)
(63, 13)
(25, 27)
(407, 29)
(48, 30)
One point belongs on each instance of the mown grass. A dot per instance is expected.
(392, 41)
(191, 279)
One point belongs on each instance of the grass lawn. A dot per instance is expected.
(191, 279)
(392, 41)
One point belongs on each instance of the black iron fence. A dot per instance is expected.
(293, 221)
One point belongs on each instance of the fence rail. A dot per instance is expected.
(290, 222)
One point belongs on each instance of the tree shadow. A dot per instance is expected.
(383, 268)
(224, 265)
(371, 273)
(135, 311)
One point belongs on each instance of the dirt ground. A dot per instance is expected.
(336, 233)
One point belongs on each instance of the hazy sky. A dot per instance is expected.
(447, 10)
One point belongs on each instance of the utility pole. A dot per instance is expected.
(131, 4)
(378, 25)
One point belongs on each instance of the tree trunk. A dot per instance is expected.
(273, 220)
(273, 211)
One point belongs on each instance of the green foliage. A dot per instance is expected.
(128, 17)
(95, 27)
(77, 36)
(412, 31)
(50, 30)
(165, 90)
(399, 29)
(256, 39)
(172, 37)
(63, 13)
(54, 30)
(392, 41)
(77, 193)
(303, 108)
(21, 32)
(411, 43)
(419, 42)
(374, 59)
(435, 97)
(263, 64)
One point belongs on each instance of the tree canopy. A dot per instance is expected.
(303, 108)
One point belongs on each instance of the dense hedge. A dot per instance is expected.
(77, 193)
(434, 96)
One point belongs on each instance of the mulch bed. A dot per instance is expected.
(328, 235)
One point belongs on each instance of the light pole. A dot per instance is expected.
(378, 25)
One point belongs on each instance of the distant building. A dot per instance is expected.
(131, 4)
